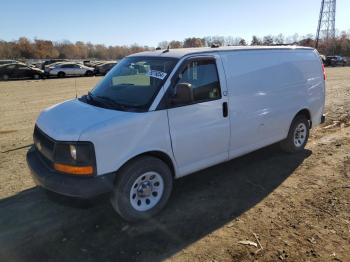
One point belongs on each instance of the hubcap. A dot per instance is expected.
(300, 134)
(146, 191)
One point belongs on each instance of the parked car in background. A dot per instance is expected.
(69, 69)
(37, 65)
(19, 71)
(94, 63)
(104, 68)
(323, 58)
(53, 65)
(347, 59)
(89, 63)
(4, 62)
(51, 61)
(335, 61)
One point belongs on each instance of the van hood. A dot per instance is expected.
(68, 120)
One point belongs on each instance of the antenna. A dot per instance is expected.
(166, 50)
(326, 22)
(75, 87)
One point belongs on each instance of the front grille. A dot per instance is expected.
(44, 145)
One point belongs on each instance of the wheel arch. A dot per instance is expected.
(154, 153)
(305, 112)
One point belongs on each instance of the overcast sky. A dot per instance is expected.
(113, 22)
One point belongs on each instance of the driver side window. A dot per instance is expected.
(22, 67)
(202, 81)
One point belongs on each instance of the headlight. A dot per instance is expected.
(76, 158)
(73, 151)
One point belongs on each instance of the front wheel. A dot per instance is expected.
(142, 188)
(5, 77)
(297, 136)
(61, 74)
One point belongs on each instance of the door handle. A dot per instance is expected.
(224, 109)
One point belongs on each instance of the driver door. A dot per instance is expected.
(21, 71)
(200, 129)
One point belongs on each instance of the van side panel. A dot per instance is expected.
(266, 89)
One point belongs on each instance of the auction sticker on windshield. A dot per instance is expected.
(156, 74)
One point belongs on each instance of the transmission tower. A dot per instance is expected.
(326, 22)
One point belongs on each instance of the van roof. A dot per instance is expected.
(180, 52)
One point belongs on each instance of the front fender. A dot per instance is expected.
(118, 140)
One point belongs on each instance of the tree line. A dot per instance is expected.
(339, 46)
(24, 48)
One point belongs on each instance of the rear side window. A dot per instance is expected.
(67, 66)
(203, 77)
(22, 67)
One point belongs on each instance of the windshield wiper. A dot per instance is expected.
(110, 102)
(102, 100)
(126, 84)
(90, 96)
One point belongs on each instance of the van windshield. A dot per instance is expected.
(134, 82)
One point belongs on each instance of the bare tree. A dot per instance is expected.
(193, 42)
(242, 42)
(175, 44)
(255, 41)
(163, 44)
(268, 40)
(279, 39)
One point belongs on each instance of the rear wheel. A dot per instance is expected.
(297, 136)
(142, 188)
(89, 73)
(36, 76)
(61, 74)
(5, 77)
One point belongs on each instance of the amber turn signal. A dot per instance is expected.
(74, 170)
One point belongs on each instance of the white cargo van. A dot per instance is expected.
(161, 115)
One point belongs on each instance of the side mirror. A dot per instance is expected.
(183, 94)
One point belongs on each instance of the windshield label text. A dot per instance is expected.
(156, 74)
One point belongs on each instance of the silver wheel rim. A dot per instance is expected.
(300, 134)
(5, 77)
(146, 191)
(36, 76)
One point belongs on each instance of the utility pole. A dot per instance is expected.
(326, 22)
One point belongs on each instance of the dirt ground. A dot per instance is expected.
(293, 207)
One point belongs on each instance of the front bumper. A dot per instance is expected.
(68, 185)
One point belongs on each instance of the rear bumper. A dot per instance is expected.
(69, 185)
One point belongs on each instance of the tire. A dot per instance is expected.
(142, 188)
(5, 77)
(61, 74)
(297, 136)
(89, 73)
